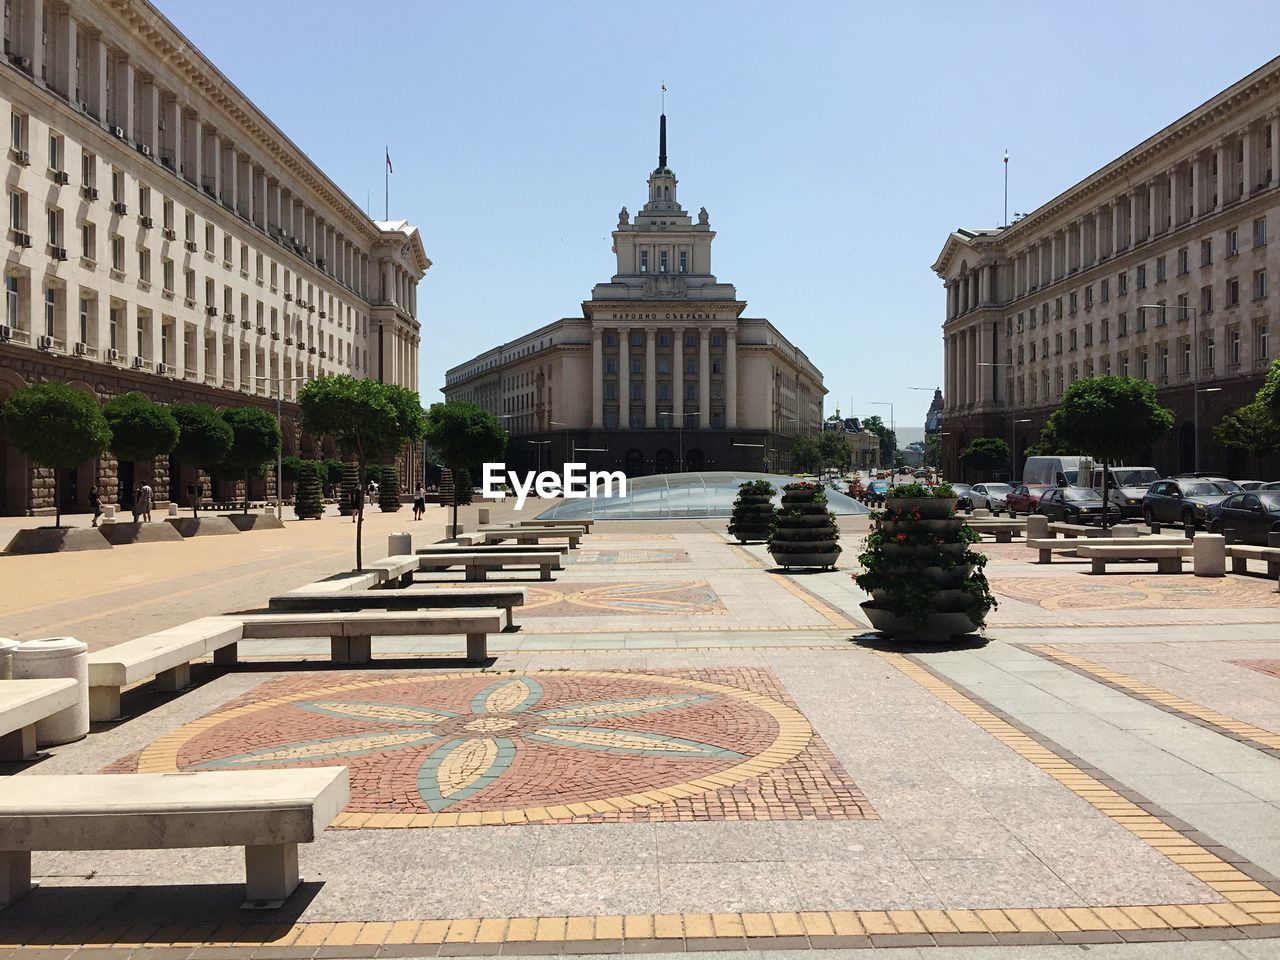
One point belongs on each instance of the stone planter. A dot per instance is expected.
(254, 521)
(752, 516)
(940, 627)
(931, 508)
(57, 540)
(805, 534)
(826, 561)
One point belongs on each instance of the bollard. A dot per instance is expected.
(1209, 555)
(483, 513)
(1273, 539)
(399, 544)
(1155, 527)
(6, 657)
(173, 509)
(1189, 529)
(57, 657)
(108, 512)
(1037, 526)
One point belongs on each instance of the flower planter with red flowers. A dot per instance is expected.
(804, 532)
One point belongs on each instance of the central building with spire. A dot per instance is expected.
(662, 373)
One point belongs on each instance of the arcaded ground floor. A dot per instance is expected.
(684, 748)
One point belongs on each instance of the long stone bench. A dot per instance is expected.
(494, 548)
(419, 598)
(351, 634)
(23, 704)
(354, 581)
(165, 655)
(1077, 530)
(1071, 544)
(476, 566)
(526, 536)
(1002, 531)
(268, 812)
(1167, 557)
(1240, 554)
(395, 571)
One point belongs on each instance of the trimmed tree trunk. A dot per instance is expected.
(57, 501)
(360, 516)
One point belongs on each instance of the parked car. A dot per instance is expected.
(1024, 498)
(1247, 517)
(990, 495)
(964, 496)
(1127, 486)
(1228, 486)
(1273, 485)
(878, 488)
(1183, 501)
(1075, 505)
(1249, 484)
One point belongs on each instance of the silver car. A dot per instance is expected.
(990, 495)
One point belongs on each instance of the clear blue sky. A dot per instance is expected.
(834, 144)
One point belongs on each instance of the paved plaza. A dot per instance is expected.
(684, 748)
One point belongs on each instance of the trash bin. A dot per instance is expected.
(6, 657)
(399, 544)
(57, 657)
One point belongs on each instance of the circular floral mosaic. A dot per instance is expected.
(534, 746)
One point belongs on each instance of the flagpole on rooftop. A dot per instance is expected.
(386, 185)
(1006, 188)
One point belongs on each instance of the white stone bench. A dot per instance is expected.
(444, 549)
(1077, 530)
(354, 581)
(532, 535)
(23, 704)
(419, 598)
(584, 524)
(1072, 544)
(395, 571)
(166, 655)
(1003, 532)
(1167, 557)
(1240, 555)
(268, 812)
(351, 634)
(476, 566)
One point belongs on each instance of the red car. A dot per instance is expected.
(1025, 498)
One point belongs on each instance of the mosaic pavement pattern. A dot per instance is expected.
(537, 747)
(660, 598)
(1160, 591)
(626, 556)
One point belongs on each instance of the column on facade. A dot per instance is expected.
(1197, 186)
(1117, 226)
(984, 285)
(1132, 197)
(65, 73)
(650, 378)
(1098, 233)
(95, 76)
(950, 288)
(677, 381)
(1273, 121)
(731, 377)
(1175, 197)
(971, 337)
(1247, 167)
(126, 77)
(624, 377)
(388, 282)
(704, 378)
(962, 360)
(986, 375)
(1152, 209)
(1220, 151)
(948, 367)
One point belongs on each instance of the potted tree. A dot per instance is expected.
(307, 501)
(925, 581)
(203, 440)
(255, 442)
(804, 532)
(465, 435)
(389, 490)
(753, 511)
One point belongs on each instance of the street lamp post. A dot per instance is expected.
(539, 444)
(279, 453)
(1195, 372)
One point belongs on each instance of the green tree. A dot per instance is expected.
(1049, 444)
(888, 439)
(806, 455)
(1269, 393)
(464, 436)
(255, 443)
(933, 450)
(141, 429)
(1251, 428)
(835, 449)
(1108, 418)
(57, 427)
(204, 439)
(369, 421)
(985, 454)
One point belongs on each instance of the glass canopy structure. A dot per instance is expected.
(683, 496)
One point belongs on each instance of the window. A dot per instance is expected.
(144, 201)
(117, 253)
(1144, 366)
(684, 261)
(84, 320)
(1142, 276)
(716, 340)
(258, 268)
(167, 211)
(1088, 334)
(1106, 290)
(662, 262)
(644, 261)
(1088, 297)
(1260, 232)
(636, 365)
(55, 227)
(664, 391)
(690, 365)
(690, 392)
(113, 328)
(637, 391)
(210, 293)
(117, 186)
(1073, 340)
(167, 271)
(189, 281)
(1124, 365)
(1206, 300)
(1141, 324)
(226, 249)
(664, 340)
(1162, 269)
(17, 122)
(144, 265)
(1262, 340)
(1233, 242)
(715, 365)
(690, 340)
(1183, 262)
(1206, 251)
(50, 309)
(55, 152)
(1233, 347)
(1106, 331)
(610, 365)
(637, 338)
(1209, 352)
(1122, 283)
(208, 238)
(11, 301)
(1184, 307)
(189, 228)
(1233, 291)
(88, 241)
(1057, 343)
(609, 339)
(1259, 284)
(1122, 325)
(17, 211)
(1033, 351)
(664, 365)
(1071, 303)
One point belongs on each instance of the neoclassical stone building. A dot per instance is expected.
(1160, 265)
(662, 372)
(165, 236)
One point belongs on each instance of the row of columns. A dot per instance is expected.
(399, 288)
(968, 380)
(677, 383)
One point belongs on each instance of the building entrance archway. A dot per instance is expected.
(664, 461)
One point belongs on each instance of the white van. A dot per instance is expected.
(1050, 470)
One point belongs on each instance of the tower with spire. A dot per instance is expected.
(664, 254)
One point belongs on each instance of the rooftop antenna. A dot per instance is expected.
(1006, 187)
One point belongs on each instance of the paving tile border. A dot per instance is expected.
(1250, 907)
(1248, 734)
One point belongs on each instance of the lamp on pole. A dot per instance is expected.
(1195, 372)
(557, 423)
(539, 444)
(279, 453)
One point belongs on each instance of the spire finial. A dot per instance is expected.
(662, 142)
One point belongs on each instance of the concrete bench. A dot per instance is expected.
(268, 812)
(23, 704)
(444, 549)
(532, 535)
(395, 571)
(166, 655)
(1071, 544)
(354, 581)
(1167, 557)
(1076, 530)
(418, 598)
(584, 524)
(476, 566)
(1240, 554)
(351, 634)
(1003, 532)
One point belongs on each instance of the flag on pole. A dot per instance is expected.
(389, 170)
(664, 88)
(1006, 157)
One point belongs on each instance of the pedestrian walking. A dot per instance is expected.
(147, 494)
(357, 500)
(95, 501)
(419, 503)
